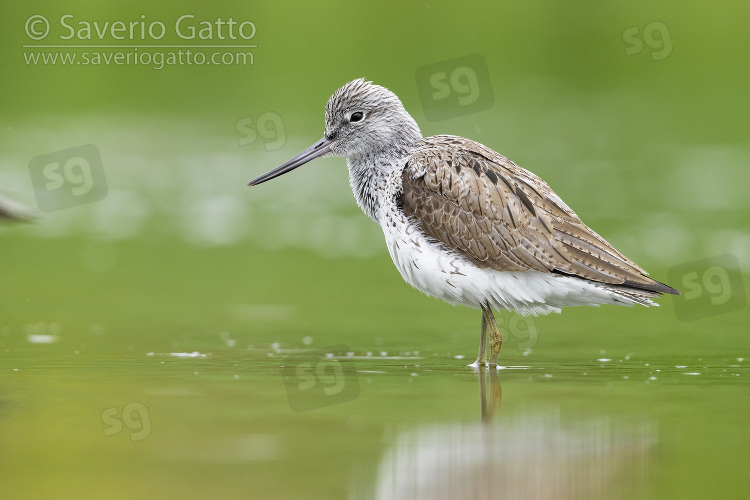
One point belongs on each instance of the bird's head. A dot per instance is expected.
(361, 119)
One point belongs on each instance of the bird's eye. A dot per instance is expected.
(356, 116)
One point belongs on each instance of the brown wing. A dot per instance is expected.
(477, 202)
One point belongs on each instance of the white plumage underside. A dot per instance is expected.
(442, 273)
(429, 267)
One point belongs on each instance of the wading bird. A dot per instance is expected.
(465, 224)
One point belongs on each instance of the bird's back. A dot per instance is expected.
(475, 201)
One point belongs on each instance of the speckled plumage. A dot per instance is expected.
(501, 216)
(465, 224)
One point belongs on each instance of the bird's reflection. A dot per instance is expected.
(517, 453)
(495, 393)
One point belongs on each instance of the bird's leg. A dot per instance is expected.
(496, 336)
(482, 356)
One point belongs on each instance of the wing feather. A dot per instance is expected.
(498, 215)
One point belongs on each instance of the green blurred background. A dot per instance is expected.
(643, 131)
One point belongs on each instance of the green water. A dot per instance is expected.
(611, 402)
(172, 333)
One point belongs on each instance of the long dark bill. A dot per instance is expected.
(318, 149)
